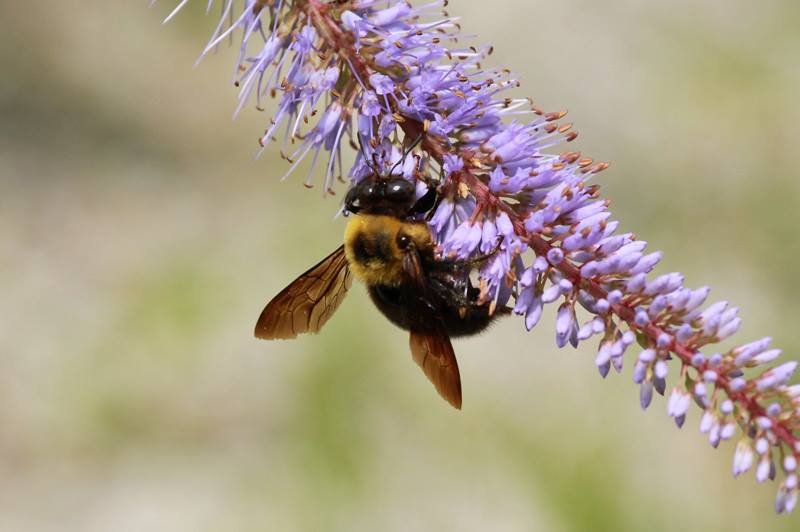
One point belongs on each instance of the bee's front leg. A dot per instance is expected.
(466, 265)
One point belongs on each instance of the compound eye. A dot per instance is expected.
(351, 201)
(399, 190)
(403, 241)
(370, 190)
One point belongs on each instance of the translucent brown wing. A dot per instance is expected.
(429, 341)
(305, 305)
(433, 352)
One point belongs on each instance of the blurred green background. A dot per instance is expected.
(140, 240)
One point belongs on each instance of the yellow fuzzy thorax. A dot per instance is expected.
(370, 244)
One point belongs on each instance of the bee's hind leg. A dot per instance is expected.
(464, 265)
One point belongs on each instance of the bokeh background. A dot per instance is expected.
(139, 240)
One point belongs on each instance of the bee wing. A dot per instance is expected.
(430, 344)
(433, 352)
(306, 304)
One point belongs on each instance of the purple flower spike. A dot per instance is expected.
(763, 470)
(555, 256)
(742, 458)
(679, 402)
(646, 394)
(639, 372)
(381, 84)
(603, 360)
(379, 75)
(565, 324)
(762, 446)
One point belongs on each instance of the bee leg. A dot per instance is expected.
(448, 293)
(463, 301)
(437, 200)
(487, 256)
(468, 264)
(427, 203)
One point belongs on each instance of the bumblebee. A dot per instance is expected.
(389, 249)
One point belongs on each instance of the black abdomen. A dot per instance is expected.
(406, 308)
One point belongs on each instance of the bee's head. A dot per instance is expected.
(390, 195)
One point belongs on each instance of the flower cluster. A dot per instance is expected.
(378, 74)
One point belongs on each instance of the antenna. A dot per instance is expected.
(405, 154)
(373, 165)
